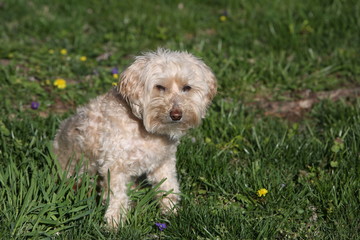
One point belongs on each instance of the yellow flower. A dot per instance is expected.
(114, 83)
(63, 51)
(83, 58)
(262, 192)
(116, 76)
(60, 83)
(223, 18)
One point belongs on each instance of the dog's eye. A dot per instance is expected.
(160, 87)
(186, 88)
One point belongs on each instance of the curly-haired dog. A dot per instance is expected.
(135, 128)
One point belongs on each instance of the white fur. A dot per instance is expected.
(134, 129)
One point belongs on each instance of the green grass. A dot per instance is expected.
(263, 49)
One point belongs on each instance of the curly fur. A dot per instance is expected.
(135, 128)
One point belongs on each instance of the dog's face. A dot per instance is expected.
(169, 90)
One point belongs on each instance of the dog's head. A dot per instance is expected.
(169, 90)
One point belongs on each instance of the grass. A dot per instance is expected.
(266, 49)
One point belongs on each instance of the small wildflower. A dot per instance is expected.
(60, 83)
(114, 71)
(114, 83)
(223, 18)
(262, 192)
(161, 226)
(35, 105)
(51, 51)
(115, 75)
(63, 51)
(83, 58)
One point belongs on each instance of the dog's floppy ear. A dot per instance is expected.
(207, 76)
(212, 83)
(131, 86)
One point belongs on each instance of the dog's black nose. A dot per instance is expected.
(176, 114)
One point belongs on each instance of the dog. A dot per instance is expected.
(135, 128)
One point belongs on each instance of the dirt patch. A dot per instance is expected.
(301, 102)
(4, 62)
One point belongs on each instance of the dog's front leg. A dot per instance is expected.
(167, 171)
(119, 201)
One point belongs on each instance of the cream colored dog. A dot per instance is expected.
(135, 128)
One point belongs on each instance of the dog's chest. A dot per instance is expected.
(135, 150)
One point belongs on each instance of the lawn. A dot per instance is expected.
(286, 117)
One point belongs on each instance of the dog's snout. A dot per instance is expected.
(176, 114)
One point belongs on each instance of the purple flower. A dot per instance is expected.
(114, 71)
(225, 13)
(161, 226)
(35, 105)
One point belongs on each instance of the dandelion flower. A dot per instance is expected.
(262, 192)
(60, 83)
(223, 18)
(114, 83)
(161, 226)
(63, 51)
(115, 75)
(83, 58)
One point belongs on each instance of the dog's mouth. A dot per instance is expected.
(173, 122)
(167, 120)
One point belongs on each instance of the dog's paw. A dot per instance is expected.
(168, 204)
(114, 218)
